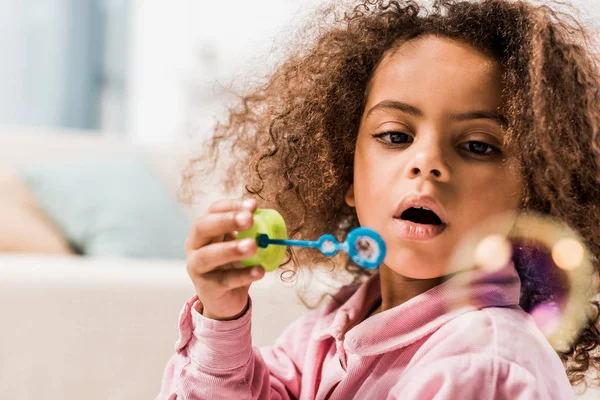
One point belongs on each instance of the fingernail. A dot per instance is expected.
(245, 245)
(242, 218)
(248, 204)
(255, 272)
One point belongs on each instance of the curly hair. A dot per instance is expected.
(292, 138)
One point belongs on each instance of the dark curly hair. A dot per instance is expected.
(292, 139)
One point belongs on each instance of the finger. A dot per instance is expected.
(227, 205)
(230, 236)
(229, 279)
(209, 257)
(210, 225)
(231, 265)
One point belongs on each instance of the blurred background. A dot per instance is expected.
(102, 102)
(149, 70)
(99, 100)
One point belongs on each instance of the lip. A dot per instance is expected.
(409, 230)
(417, 200)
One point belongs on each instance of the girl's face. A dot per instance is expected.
(429, 162)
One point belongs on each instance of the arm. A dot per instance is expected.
(216, 360)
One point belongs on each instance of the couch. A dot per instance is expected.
(78, 327)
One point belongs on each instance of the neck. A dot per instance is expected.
(397, 289)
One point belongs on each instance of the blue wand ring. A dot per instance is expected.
(365, 247)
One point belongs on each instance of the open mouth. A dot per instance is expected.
(420, 215)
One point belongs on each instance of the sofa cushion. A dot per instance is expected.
(110, 205)
(24, 228)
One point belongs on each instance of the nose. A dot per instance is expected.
(428, 162)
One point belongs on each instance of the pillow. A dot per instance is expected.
(24, 228)
(111, 205)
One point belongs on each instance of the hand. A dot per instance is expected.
(213, 258)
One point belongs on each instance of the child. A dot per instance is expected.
(420, 125)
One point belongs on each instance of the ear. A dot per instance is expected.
(349, 197)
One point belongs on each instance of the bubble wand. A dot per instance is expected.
(365, 247)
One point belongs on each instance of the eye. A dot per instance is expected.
(393, 138)
(480, 148)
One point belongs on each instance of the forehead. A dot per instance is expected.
(444, 72)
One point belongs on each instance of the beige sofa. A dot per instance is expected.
(90, 328)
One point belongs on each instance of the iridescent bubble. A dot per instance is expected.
(553, 263)
(493, 252)
(547, 317)
(568, 253)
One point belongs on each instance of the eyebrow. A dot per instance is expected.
(412, 110)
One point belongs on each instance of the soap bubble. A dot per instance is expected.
(328, 246)
(568, 253)
(366, 248)
(547, 317)
(553, 263)
(493, 252)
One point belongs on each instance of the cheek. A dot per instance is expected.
(490, 192)
(375, 169)
(373, 182)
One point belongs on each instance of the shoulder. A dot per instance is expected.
(474, 376)
(505, 332)
(499, 341)
(477, 376)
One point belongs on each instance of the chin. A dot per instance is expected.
(414, 267)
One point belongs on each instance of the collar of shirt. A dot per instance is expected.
(405, 324)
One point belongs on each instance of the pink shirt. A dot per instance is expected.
(418, 350)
